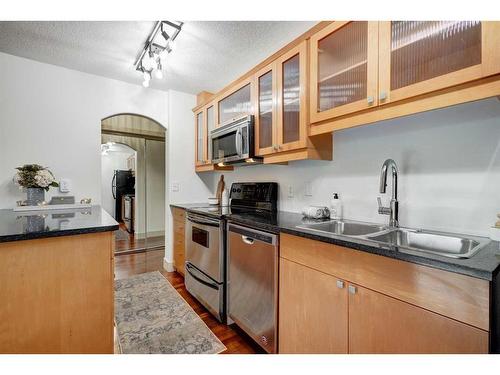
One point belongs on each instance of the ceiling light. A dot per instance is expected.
(158, 71)
(156, 49)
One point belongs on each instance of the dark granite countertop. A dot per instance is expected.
(18, 226)
(484, 264)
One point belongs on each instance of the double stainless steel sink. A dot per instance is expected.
(405, 239)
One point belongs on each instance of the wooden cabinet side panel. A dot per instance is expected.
(312, 311)
(57, 295)
(381, 324)
(179, 242)
(460, 297)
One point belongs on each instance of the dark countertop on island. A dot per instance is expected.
(18, 226)
(485, 264)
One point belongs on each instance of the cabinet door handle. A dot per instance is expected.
(383, 95)
(340, 284)
(370, 100)
(352, 289)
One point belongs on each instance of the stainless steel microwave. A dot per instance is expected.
(233, 143)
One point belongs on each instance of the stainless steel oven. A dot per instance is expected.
(205, 262)
(234, 142)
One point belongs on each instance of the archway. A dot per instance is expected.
(146, 137)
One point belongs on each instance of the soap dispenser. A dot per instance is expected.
(336, 207)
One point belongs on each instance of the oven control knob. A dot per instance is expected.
(239, 190)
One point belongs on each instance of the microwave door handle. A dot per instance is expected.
(239, 141)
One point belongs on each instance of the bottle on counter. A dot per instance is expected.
(335, 207)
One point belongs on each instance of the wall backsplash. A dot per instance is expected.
(449, 163)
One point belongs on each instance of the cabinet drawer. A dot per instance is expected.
(459, 297)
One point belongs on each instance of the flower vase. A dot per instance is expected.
(35, 196)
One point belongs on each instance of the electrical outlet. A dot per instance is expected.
(175, 187)
(290, 191)
(308, 190)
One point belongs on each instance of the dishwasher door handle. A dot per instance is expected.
(247, 240)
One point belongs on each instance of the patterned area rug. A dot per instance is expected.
(151, 317)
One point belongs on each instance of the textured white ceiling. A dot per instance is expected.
(207, 55)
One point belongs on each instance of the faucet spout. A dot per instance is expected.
(393, 210)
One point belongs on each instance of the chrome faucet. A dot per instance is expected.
(393, 209)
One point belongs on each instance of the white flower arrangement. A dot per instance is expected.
(34, 176)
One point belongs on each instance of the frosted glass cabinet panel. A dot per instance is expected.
(200, 138)
(290, 94)
(266, 112)
(418, 57)
(343, 69)
(235, 105)
(423, 50)
(210, 126)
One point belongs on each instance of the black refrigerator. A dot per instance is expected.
(123, 183)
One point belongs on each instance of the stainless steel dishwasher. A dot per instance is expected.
(253, 283)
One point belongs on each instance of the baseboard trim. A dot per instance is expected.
(168, 266)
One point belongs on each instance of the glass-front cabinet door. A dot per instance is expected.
(210, 113)
(344, 69)
(292, 94)
(235, 105)
(417, 57)
(200, 131)
(265, 110)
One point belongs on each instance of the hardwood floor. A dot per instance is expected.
(236, 341)
(127, 242)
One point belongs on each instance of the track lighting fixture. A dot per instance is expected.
(155, 52)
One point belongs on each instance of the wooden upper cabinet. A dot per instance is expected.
(235, 104)
(418, 57)
(344, 69)
(265, 110)
(382, 324)
(280, 102)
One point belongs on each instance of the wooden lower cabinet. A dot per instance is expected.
(313, 311)
(179, 242)
(382, 324)
(57, 295)
(338, 300)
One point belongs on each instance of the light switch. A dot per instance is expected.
(290, 191)
(175, 187)
(64, 185)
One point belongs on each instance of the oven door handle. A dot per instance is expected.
(203, 222)
(189, 268)
(239, 141)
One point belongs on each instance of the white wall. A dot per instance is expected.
(180, 160)
(116, 160)
(449, 162)
(52, 116)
